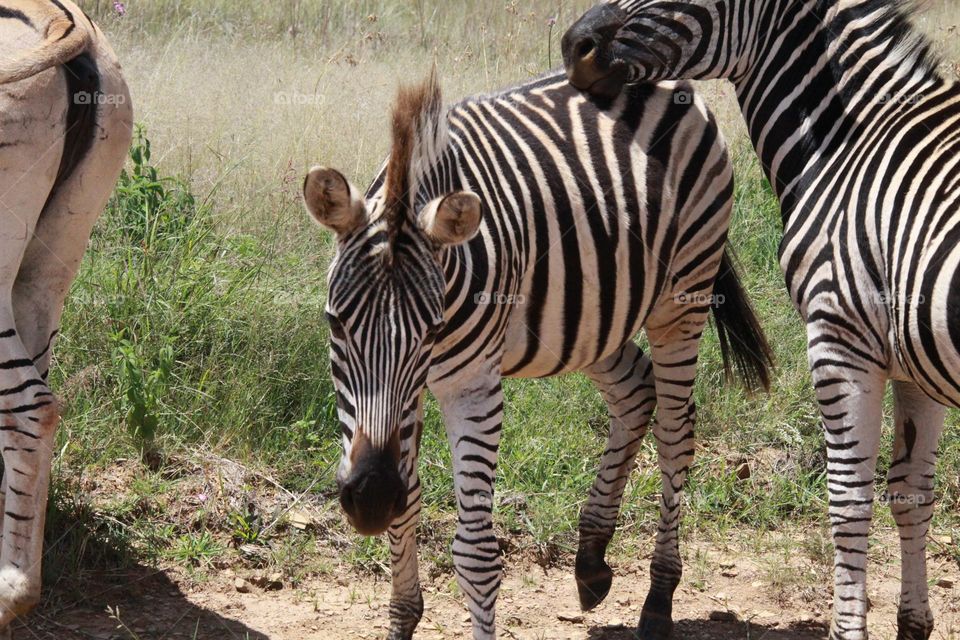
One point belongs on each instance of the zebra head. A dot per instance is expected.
(385, 304)
(626, 41)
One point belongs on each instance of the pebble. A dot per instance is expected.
(945, 583)
(723, 616)
(241, 585)
(573, 618)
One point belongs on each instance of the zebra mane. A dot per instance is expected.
(896, 16)
(419, 137)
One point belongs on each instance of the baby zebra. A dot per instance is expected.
(527, 234)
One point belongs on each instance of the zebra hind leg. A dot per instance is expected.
(625, 380)
(28, 421)
(919, 423)
(674, 354)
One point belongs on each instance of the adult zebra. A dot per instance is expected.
(860, 136)
(65, 126)
(528, 234)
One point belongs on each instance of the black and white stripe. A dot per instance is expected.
(599, 218)
(860, 136)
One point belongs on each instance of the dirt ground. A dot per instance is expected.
(724, 597)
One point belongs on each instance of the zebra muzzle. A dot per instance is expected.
(587, 51)
(374, 494)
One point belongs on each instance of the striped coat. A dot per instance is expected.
(527, 234)
(859, 134)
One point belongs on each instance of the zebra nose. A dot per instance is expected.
(585, 43)
(374, 494)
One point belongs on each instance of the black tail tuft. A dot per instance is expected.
(83, 87)
(742, 342)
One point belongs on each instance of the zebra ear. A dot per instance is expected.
(332, 201)
(452, 219)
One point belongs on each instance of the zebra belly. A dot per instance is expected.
(544, 343)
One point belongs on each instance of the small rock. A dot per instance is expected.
(723, 616)
(945, 583)
(274, 582)
(572, 618)
(944, 540)
(241, 585)
(729, 573)
(300, 519)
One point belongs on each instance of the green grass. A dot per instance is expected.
(195, 328)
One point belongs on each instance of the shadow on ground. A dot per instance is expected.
(149, 604)
(709, 630)
(90, 564)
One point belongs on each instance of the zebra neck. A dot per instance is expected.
(831, 75)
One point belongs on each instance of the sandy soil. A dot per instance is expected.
(735, 599)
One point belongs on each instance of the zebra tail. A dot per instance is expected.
(63, 41)
(743, 345)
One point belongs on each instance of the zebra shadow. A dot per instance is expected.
(711, 630)
(96, 585)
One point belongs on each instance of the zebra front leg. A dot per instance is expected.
(674, 357)
(473, 412)
(850, 395)
(919, 423)
(406, 599)
(626, 382)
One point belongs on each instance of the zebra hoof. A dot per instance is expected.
(395, 634)
(656, 619)
(653, 626)
(594, 578)
(914, 625)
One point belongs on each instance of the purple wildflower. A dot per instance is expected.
(120, 8)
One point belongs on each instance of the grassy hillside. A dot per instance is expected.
(195, 330)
